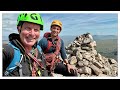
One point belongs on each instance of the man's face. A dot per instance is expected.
(55, 30)
(29, 34)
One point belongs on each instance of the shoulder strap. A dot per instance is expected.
(39, 49)
(58, 46)
(46, 35)
(16, 60)
(49, 45)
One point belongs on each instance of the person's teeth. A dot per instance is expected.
(30, 39)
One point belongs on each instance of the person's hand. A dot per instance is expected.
(72, 69)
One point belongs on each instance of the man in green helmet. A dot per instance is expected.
(22, 56)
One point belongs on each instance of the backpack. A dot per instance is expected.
(52, 58)
(16, 60)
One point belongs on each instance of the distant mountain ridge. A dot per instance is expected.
(68, 39)
(103, 37)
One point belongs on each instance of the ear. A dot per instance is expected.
(19, 29)
(50, 28)
(60, 31)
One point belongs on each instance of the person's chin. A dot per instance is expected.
(30, 44)
(55, 35)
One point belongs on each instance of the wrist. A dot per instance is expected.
(67, 63)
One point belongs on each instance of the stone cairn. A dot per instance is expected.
(83, 55)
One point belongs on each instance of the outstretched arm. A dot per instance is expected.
(7, 55)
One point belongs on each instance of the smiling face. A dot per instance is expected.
(29, 34)
(55, 30)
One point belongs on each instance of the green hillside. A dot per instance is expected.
(108, 48)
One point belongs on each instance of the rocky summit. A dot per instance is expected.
(83, 55)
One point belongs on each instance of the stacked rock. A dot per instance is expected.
(83, 55)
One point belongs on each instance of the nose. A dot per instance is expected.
(32, 32)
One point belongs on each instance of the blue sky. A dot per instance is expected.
(77, 24)
(74, 24)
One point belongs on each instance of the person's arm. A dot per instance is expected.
(64, 57)
(66, 61)
(43, 43)
(7, 54)
(63, 52)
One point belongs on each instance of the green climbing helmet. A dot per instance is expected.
(31, 17)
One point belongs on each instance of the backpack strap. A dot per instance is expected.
(49, 45)
(46, 35)
(39, 49)
(15, 62)
(58, 45)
